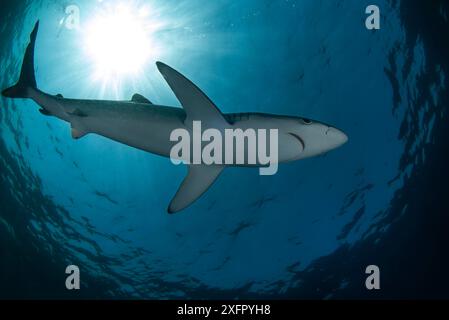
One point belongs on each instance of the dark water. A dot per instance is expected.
(309, 231)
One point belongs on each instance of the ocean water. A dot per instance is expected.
(307, 232)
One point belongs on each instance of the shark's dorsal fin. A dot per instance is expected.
(59, 96)
(197, 105)
(198, 180)
(138, 98)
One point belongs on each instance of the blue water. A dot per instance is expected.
(307, 232)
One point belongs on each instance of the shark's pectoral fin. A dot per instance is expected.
(198, 180)
(138, 98)
(197, 105)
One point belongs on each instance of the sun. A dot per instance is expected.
(118, 43)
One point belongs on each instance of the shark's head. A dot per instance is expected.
(316, 138)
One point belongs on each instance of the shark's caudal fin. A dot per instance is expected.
(27, 79)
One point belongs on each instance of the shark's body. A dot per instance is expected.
(143, 125)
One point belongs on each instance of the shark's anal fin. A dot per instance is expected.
(76, 122)
(138, 98)
(197, 105)
(199, 178)
(77, 133)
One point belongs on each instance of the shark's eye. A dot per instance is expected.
(306, 121)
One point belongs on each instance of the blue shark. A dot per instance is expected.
(146, 126)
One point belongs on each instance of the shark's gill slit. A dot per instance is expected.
(300, 140)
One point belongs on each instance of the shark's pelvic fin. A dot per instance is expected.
(199, 178)
(197, 105)
(138, 98)
(44, 112)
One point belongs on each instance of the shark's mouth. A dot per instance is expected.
(301, 142)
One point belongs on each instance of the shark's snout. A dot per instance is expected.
(336, 137)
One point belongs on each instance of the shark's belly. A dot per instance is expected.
(151, 131)
(142, 132)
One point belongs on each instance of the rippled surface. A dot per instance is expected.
(307, 232)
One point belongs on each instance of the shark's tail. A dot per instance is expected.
(27, 79)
